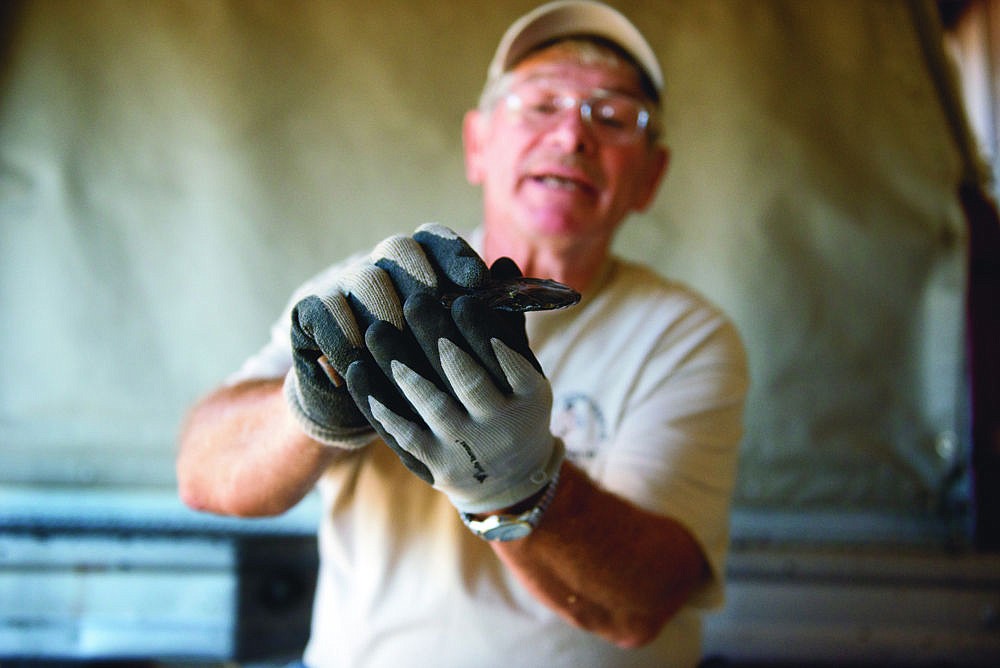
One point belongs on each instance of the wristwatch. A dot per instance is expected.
(504, 527)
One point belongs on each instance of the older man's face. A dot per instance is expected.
(547, 171)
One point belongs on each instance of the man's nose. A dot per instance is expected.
(572, 131)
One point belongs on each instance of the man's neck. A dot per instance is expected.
(575, 263)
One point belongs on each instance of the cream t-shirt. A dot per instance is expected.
(649, 382)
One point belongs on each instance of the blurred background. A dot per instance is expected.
(171, 169)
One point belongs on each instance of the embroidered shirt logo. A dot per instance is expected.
(577, 419)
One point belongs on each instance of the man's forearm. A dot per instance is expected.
(242, 454)
(606, 565)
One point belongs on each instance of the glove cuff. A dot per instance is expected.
(346, 439)
(519, 490)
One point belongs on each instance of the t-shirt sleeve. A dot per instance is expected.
(677, 448)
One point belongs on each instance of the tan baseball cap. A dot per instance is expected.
(564, 18)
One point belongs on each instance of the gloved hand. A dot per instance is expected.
(480, 419)
(326, 337)
(327, 329)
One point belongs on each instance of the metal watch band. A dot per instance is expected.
(505, 527)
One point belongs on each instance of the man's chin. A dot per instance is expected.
(558, 226)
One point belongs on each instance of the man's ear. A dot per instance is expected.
(473, 126)
(659, 163)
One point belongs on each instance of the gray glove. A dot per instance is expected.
(325, 337)
(326, 332)
(477, 420)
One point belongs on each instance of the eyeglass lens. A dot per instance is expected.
(613, 117)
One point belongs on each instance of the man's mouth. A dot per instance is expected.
(561, 173)
(563, 181)
(559, 182)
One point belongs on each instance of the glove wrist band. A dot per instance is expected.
(345, 439)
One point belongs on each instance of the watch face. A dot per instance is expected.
(508, 531)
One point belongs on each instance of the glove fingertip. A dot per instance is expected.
(435, 229)
(371, 405)
(504, 268)
(520, 367)
(452, 255)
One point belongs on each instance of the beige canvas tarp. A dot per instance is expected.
(170, 170)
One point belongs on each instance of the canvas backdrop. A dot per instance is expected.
(170, 170)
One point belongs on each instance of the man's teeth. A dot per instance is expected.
(558, 182)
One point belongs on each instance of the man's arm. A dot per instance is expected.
(606, 565)
(258, 447)
(242, 453)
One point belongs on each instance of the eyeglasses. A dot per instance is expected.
(614, 118)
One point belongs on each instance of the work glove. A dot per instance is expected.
(478, 420)
(326, 337)
(327, 330)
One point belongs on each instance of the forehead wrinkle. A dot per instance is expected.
(585, 52)
(568, 72)
(555, 83)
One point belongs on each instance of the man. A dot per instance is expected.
(591, 470)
